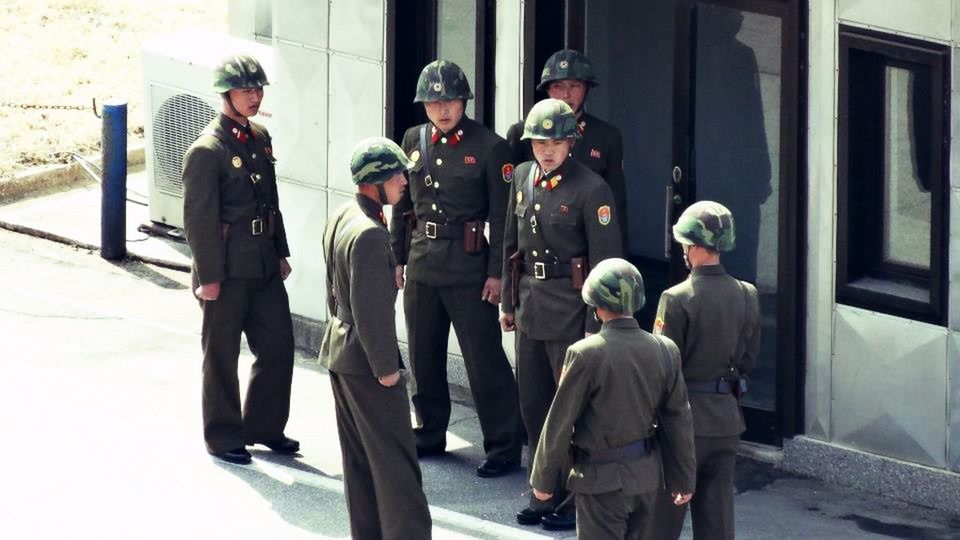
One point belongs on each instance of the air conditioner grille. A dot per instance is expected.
(178, 118)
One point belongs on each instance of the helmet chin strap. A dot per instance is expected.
(383, 193)
(236, 114)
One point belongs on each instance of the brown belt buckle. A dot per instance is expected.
(256, 227)
(430, 229)
(539, 270)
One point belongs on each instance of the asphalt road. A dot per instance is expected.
(99, 403)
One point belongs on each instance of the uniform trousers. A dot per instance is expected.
(429, 313)
(539, 364)
(712, 505)
(381, 475)
(615, 514)
(260, 309)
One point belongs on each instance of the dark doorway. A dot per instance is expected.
(705, 94)
(407, 52)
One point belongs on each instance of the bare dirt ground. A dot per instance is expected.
(67, 52)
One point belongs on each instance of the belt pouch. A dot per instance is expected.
(578, 271)
(473, 239)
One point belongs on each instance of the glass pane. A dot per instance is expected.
(737, 85)
(906, 195)
(457, 39)
(636, 95)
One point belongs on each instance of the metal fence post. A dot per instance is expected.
(113, 207)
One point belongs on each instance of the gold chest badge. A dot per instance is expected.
(236, 162)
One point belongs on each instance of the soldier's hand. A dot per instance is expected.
(285, 269)
(399, 276)
(208, 291)
(491, 291)
(507, 322)
(681, 499)
(542, 496)
(389, 380)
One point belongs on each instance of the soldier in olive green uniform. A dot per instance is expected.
(458, 184)
(568, 75)
(235, 230)
(715, 321)
(561, 219)
(382, 481)
(613, 386)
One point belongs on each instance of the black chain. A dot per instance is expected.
(38, 106)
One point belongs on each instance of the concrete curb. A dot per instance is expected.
(52, 178)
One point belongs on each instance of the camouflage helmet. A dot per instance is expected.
(442, 80)
(551, 119)
(614, 285)
(567, 64)
(376, 159)
(708, 224)
(238, 71)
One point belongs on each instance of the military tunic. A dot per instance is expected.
(600, 148)
(221, 203)
(715, 320)
(552, 225)
(381, 474)
(613, 385)
(470, 175)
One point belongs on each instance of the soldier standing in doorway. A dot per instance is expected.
(235, 230)
(380, 470)
(459, 183)
(561, 220)
(568, 76)
(613, 389)
(715, 321)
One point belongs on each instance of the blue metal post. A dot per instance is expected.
(113, 207)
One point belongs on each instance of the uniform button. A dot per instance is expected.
(547, 251)
(534, 253)
(439, 161)
(433, 207)
(443, 140)
(536, 207)
(254, 156)
(436, 185)
(259, 176)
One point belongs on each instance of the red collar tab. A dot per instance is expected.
(451, 140)
(549, 182)
(242, 133)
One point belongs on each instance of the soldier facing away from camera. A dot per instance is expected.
(615, 386)
(715, 321)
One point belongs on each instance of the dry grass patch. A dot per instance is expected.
(67, 52)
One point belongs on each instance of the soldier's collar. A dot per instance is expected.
(623, 322)
(371, 208)
(452, 138)
(239, 131)
(551, 180)
(709, 270)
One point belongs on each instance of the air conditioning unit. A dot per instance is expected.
(179, 102)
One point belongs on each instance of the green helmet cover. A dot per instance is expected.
(708, 224)
(614, 285)
(376, 159)
(238, 71)
(442, 80)
(551, 119)
(567, 64)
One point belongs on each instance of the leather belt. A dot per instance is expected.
(717, 386)
(433, 230)
(546, 270)
(630, 452)
(248, 227)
